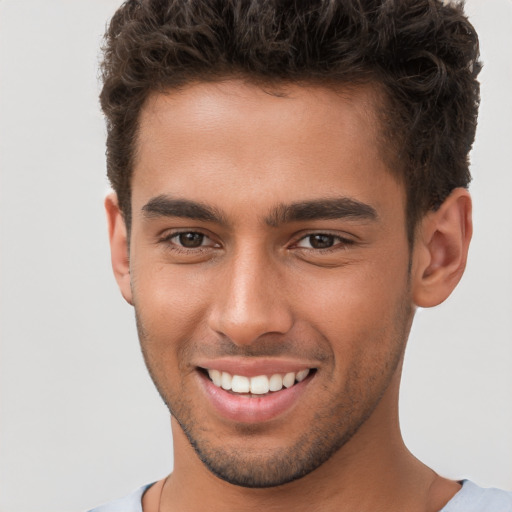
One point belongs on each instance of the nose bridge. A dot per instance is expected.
(250, 300)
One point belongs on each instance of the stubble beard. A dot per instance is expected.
(265, 470)
(330, 429)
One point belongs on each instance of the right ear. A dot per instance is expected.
(119, 246)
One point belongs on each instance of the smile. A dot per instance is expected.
(258, 385)
(254, 392)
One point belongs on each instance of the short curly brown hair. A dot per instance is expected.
(422, 54)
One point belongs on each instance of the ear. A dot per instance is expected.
(440, 249)
(119, 246)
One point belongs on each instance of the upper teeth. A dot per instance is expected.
(256, 385)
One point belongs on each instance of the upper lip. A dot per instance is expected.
(254, 367)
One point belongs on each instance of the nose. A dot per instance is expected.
(251, 299)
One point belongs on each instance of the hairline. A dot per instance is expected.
(381, 102)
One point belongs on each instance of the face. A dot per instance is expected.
(269, 272)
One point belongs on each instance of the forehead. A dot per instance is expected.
(249, 109)
(234, 141)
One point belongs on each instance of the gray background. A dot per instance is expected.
(80, 420)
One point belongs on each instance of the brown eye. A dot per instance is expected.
(321, 241)
(191, 240)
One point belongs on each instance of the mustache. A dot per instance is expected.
(268, 345)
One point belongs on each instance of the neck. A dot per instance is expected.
(372, 471)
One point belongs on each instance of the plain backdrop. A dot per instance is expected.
(80, 420)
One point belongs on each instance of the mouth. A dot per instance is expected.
(258, 385)
(255, 394)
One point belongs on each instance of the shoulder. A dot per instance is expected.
(472, 498)
(130, 503)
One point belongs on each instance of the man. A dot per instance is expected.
(290, 185)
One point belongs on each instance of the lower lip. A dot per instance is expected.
(253, 409)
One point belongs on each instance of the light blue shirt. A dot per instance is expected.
(470, 498)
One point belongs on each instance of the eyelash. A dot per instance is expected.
(339, 242)
(169, 238)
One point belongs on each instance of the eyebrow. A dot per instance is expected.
(318, 209)
(165, 206)
(321, 209)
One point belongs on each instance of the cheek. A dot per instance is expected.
(167, 317)
(360, 311)
(170, 303)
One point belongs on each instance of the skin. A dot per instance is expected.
(258, 287)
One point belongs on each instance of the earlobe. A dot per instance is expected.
(118, 246)
(441, 248)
